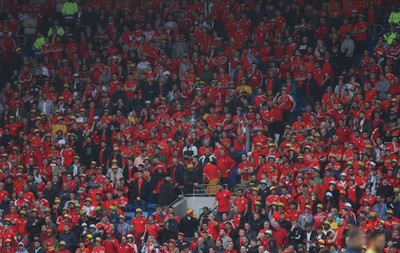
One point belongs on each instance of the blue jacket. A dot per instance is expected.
(381, 212)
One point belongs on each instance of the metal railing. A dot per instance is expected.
(181, 196)
(203, 190)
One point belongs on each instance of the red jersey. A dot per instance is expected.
(223, 197)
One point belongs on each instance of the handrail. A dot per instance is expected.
(201, 190)
(180, 197)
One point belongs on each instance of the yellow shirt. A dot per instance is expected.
(61, 127)
(334, 225)
(242, 89)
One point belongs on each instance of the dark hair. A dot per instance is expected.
(273, 247)
(375, 234)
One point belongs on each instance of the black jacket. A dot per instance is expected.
(313, 237)
(366, 127)
(70, 239)
(105, 158)
(385, 191)
(177, 173)
(87, 153)
(253, 249)
(188, 226)
(256, 225)
(233, 234)
(167, 194)
(251, 234)
(296, 236)
(311, 87)
(170, 230)
(33, 225)
(144, 190)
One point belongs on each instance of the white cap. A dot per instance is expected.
(347, 204)
(328, 194)
(332, 182)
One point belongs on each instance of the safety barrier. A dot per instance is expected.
(202, 190)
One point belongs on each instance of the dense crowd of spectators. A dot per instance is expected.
(282, 109)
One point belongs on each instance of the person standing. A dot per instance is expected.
(140, 190)
(34, 224)
(347, 49)
(223, 197)
(45, 105)
(287, 103)
(69, 11)
(188, 225)
(167, 193)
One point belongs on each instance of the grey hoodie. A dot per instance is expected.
(347, 47)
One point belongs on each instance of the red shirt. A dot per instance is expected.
(153, 230)
(223, 197)
(126, 248)
(319, 218)
(140, 224)
(241, 203)
(211, 171)
(225, 163)
(111, 245)
(362, 36)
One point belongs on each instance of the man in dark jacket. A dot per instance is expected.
(37, 247)
(69, 238)
(188, 224)
(256, 223)
(177, 172)
(34, 224)
(296, 234)
(310, 89)
(170, 228)
(104, 153)
(88, 151)
(140, 190)
(167, 193)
